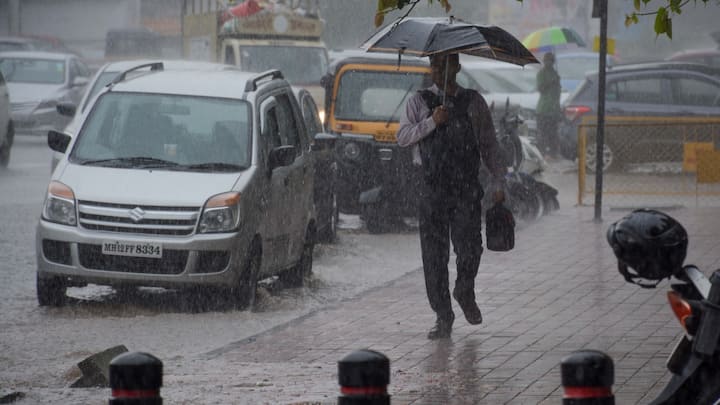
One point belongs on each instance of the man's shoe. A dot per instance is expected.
(442, 329)
(469, 307)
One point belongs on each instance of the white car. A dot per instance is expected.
(37, 82)
(180, 179)
(7, 133)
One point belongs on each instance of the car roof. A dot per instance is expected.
(37, 55)
(695, 52)
(662, 65)
(224, 84)
(16, 39)
(377, 59)
(482, 63)
(168, 64)
(578, 54)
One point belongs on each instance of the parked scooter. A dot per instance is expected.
(527, 197)
(651, 246)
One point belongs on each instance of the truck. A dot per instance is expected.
(260, 36)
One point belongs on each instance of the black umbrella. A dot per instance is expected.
(425, 36)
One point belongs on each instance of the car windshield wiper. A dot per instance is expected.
(142, 162)
(221, 166)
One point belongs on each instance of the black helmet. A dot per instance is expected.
(649, 242)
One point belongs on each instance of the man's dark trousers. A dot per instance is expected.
(444, 215)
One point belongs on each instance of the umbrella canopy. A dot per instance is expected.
(425, 36)
(552, 38)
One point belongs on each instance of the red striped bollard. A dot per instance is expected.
(587, 378)
(135, 379)
(364, 376)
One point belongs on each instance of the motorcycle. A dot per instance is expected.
(651, 246)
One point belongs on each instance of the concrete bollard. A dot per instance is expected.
(587, 378)
(135, 379)
(364, 376)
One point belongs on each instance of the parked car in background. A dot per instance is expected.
(573, 66)
(180, 179)
(37, 82)
(7, 132)
(650, 90)
(28, 43)
(709, 56)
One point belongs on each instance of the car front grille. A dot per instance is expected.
(172, 262)
(138, 219)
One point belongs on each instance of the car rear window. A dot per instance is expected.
(38, 71)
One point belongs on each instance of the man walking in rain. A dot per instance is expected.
(548, 107)
(451, 131)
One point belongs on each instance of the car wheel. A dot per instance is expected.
(245, 290)
(330, 217)
(591, 157)
(303, 268)
(5, 148)
(50, 291)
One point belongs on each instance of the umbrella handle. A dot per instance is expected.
(447, 64)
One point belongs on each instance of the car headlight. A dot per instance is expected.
(221, 214)
(59, 206)
(351, 150)
(321, 115)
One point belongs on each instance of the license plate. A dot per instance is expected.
(119, 248)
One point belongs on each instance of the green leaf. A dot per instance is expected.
(661, 21)
(675, 6)
(636, 3)
(668, 29)
(628, 20)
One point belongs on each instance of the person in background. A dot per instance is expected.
(451, 132)
(548, 107)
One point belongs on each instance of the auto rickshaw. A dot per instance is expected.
(365, 97)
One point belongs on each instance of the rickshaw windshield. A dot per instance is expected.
(375, 95)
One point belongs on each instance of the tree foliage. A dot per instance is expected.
(663, 10)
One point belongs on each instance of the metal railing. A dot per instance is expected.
(652, 161)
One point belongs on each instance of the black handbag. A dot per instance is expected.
(499, 228)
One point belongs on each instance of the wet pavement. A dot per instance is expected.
(558, 291)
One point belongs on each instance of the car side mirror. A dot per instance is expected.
(80, 81)
(281, 156)
(66, 108)
(324, 141)
(58, 141)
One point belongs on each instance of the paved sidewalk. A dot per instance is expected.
(557, 292)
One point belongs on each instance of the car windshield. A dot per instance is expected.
(26, 70)
(375, 95)
(494, 80)
(165, 131)
(299, 64)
